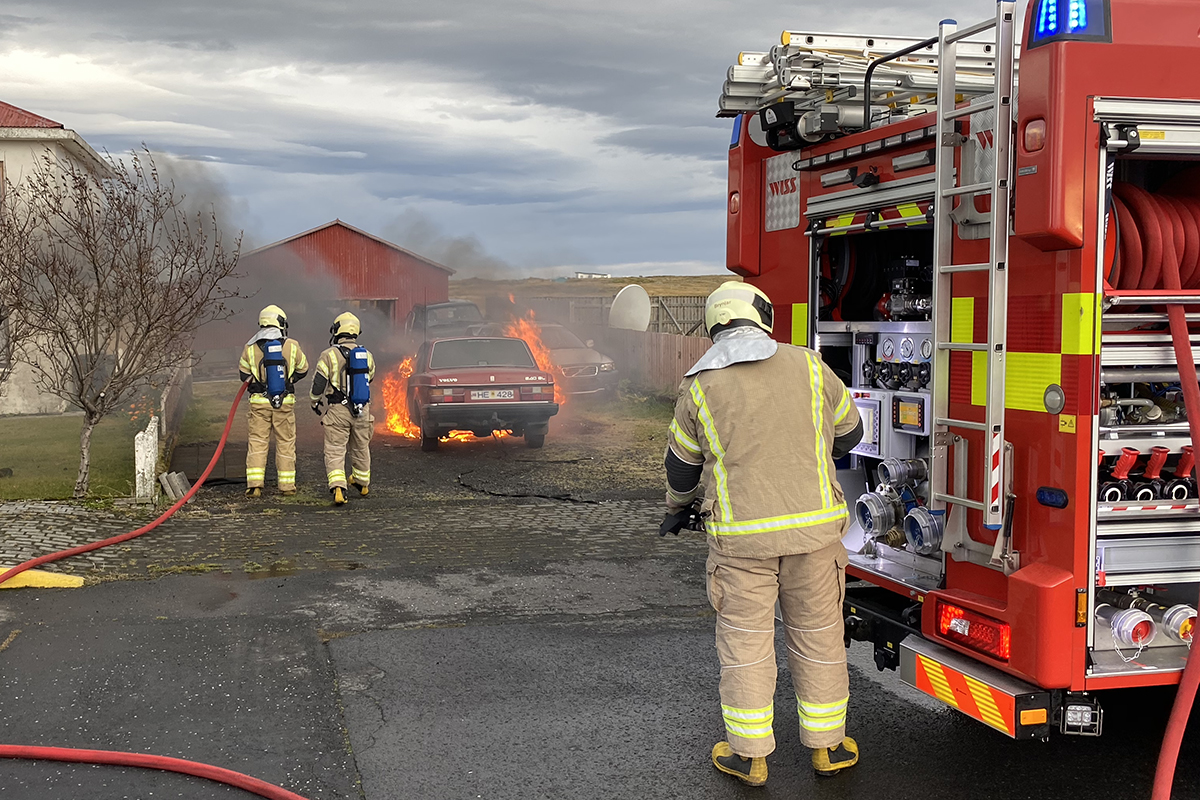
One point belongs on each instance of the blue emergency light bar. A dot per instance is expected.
(1070, 20)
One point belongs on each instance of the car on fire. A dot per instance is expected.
(480, 384)
(581, 368)
(442, 320)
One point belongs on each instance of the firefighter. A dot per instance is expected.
(272, 364)
(341, 396)
(759, 424)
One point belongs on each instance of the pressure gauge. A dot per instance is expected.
(907, 348)
(889, 348)
(926, 349)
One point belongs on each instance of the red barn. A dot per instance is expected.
(370, 273)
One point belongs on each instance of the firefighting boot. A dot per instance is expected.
(254, 491)
(339, 496)
(752, 771)
(362, 490)
(287, 492)
(832, 760)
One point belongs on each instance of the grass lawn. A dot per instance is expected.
(205, 416)
(43, 454)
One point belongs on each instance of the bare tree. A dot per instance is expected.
(111, 277)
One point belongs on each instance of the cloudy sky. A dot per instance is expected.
(537, 135)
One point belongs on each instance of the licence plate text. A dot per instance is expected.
(493, 394)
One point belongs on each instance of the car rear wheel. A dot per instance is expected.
(535, 440)
(429, 443)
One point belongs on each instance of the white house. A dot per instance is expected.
(24, 139)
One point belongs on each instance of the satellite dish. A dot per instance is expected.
(630, 309)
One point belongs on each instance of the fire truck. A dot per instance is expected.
(987, 233)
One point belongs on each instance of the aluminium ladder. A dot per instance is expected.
(946, 191)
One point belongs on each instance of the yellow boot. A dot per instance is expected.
(832, 760)
(362, 490)
(339, 496)
(752, 771)
(254, 491)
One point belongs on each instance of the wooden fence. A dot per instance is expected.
(668, 314)
(651, 361)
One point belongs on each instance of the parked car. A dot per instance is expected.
(582, 369)
(480, 384)
(442, 320)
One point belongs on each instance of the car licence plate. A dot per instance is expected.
(493, 394)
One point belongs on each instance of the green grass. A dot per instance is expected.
(205, 416)
(43, 453)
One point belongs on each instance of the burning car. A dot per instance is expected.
(582, 369)
(479, 384)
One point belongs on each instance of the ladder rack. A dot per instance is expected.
(822, 69)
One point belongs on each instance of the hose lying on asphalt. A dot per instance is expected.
(1159, 248)
(143, 760)
(115, 759)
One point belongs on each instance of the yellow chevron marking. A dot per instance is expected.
(986, 703)
(937, 679)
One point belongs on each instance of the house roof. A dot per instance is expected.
(13, 117)
(360, 232)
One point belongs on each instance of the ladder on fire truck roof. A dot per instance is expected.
(821, 69)
(946, 193)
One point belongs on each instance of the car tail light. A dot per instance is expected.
(447, 395)
(538, 391)
(975, 631)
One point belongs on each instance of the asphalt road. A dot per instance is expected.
(587, 678)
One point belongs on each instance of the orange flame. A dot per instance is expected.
(527, 329)
(395, 403)
(512, 299)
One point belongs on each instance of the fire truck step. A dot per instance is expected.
(1011, 706)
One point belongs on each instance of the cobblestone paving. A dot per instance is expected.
(267, 539)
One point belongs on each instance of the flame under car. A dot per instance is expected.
(480, 384)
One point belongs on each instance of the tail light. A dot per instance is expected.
(538, 392)
(447, 395)
(984, 634)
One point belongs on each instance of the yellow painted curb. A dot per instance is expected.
(40, 579)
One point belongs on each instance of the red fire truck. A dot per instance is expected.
(983, 232)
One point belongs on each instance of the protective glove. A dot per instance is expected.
(316, 407)
(689, 518)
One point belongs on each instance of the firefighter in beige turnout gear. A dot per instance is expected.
(343, 428)
(759, 424)
(263, 416)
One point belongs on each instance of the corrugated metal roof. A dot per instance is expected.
(13, 117)
(360, 232)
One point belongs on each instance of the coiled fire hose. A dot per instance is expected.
(1158, 247)
(143, 760)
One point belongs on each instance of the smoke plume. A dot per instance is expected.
(465, 255)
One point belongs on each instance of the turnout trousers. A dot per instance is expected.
(261, 420)
(810, 589)
(344, 431)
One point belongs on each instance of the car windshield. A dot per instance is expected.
(561, 339)
(464, 312)
(481, 353)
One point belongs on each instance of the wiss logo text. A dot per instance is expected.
(786, 186)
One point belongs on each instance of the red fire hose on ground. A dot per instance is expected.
(1159, 248)
(111, 758)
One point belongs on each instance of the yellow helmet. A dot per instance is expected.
(272, 317)
(344, 325)
(735, 303)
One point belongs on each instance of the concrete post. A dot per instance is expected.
(145, 454)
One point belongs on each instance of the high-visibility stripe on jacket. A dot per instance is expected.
(251, 364)
(331, 371)
(765, 431)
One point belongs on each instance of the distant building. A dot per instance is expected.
(25, 138)
(371, 273)
(586, 276)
